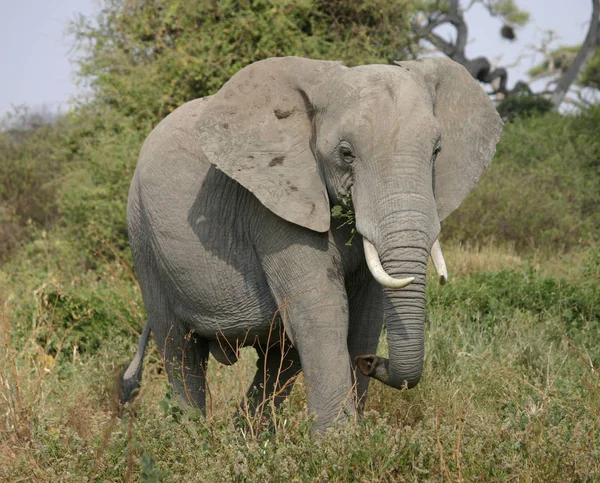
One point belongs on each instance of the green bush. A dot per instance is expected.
(75, 315)
(144, 59)
(490, 298)
(34, 151)
(93, 196)
(523, 104)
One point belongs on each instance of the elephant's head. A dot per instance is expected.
(407, 142)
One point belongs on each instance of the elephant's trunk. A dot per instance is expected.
(405, 314)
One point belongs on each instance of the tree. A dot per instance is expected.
(144, 58)
(435, 13)
(580, 64)
(592, 41)
(33, 152)
(569, 63)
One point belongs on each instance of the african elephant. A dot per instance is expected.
(229, 218)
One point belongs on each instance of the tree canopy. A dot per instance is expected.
(144, 58)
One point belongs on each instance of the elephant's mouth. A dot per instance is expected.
(386, 280)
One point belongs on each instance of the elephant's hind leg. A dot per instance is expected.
(276, 369)
(185, 357)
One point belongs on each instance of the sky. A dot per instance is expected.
(35, 53)
(569, 19)
(36, 56)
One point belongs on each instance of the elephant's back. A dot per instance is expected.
(172, 140)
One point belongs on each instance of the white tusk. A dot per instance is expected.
(377, 270)
(439, 263)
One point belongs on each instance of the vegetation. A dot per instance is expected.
(511, 388)
(171, 51)
(541, 189)
(523, 104)
(561, 60)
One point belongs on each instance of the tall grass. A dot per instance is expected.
(511, 390)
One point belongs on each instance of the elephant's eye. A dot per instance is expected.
(346, 153)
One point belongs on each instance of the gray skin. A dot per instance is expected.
(229, 221)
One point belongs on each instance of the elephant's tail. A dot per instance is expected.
(131, 375)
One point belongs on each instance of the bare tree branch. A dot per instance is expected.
(549, 37)
(592, 40)
(480, 68)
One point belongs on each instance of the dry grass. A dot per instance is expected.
(511, 395)
(488, 258)
(464, 259)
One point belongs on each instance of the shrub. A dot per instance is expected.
(147, 58)
(490, 298)
(34, 148)
(523, 104)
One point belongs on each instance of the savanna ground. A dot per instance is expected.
(511, 389)
(511, 386)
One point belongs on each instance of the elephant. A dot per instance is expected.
(230, 224)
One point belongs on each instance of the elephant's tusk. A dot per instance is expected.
(378, 271)
(439, 263)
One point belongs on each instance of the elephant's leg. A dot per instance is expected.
(320, 334)
(185, 357)
(276, 369)
(366, 319)
(315, 313)
(304, 274)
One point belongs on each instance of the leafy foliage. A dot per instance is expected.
(147, 58)
(561, 61)
(344, 212)
(35, 149)
(590, 77)
(523, 104)
(508, 10)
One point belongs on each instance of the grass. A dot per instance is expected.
(511, 388)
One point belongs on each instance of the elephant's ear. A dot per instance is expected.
(257, 129)
(470, 125)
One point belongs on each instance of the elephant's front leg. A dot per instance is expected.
(317, 321)
(366, 320)
(311, 296)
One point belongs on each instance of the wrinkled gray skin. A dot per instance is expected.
(229, 220)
